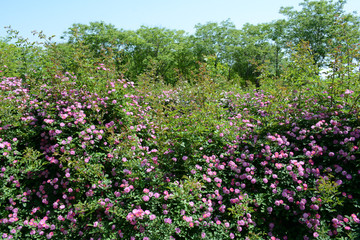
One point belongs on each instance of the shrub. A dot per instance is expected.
(99, 158)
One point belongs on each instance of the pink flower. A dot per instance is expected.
(348, 91)
(146, 198)
(168, 220)
(49, 235)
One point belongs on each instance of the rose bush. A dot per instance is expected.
(105, 160)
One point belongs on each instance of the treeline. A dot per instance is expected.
(321, 35)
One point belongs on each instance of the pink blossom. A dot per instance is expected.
(168, 220)
(347, 91)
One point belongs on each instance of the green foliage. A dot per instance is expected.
(240, 210)
(120, 134)
(329, 192)
(316, 23)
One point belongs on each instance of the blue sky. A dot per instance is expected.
(54, 17)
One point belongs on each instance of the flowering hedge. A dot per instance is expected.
(110, 162)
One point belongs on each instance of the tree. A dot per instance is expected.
(163, 51)
(219, 42)
(316, 23)
(100, 43)
(215, 39)
(277, 37)
(98, 35)
(254, 49)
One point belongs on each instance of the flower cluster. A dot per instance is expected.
(112, 164)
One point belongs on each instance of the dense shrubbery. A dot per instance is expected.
(103, 158)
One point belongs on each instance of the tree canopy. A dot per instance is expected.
(170, 55)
